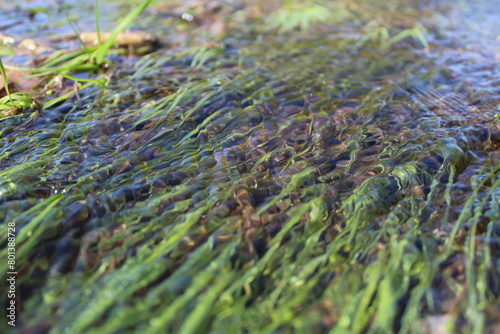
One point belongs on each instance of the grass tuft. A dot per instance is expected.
(296, 14)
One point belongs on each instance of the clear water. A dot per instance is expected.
(370, 141)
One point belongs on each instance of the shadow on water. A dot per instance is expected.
(289, 183)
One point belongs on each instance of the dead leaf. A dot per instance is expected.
(12, 89)
(22, 80)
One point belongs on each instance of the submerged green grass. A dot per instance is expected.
(271, 190)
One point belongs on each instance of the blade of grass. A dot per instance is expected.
(100, 82)
(97, 25)
(5, 82)
(99, 55)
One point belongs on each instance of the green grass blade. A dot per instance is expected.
(101, 52)
(5, 82)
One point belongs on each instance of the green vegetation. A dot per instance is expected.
(302, 14)
(312, 180)
(295, 14)
(63, 62)
(12, 100)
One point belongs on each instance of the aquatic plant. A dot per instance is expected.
(375, 32)
(288, 184)
(10, 103)
(86, 59)
(298, 14)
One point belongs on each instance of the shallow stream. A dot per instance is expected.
(282, 183)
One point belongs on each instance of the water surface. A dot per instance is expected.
(280, 183)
